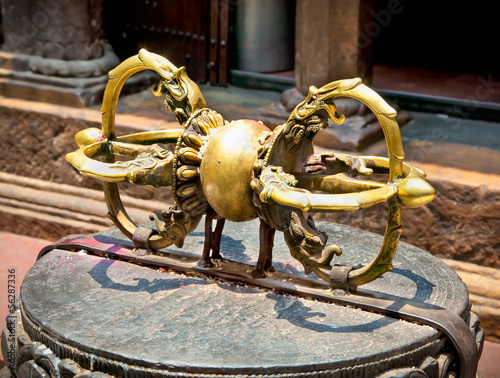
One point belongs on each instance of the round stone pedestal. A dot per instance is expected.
(120, 319)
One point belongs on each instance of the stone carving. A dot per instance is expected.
(54, 29)
(54, 51)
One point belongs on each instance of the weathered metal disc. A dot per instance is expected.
(123, 317)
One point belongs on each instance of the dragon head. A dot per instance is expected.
(313, 114)
(182, 95)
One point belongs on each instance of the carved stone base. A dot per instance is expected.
(85, 315)
(76, 83)
(360, 129)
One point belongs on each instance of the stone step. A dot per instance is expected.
(48, 210)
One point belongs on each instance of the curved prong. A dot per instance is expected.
(157, 62)
(149, 168)
(307, 201)
(92, 142)
(335, 184)
(150, 137)
(275, 189)
(152, 164)
(150, 159)
(90, 167)
(386, 116)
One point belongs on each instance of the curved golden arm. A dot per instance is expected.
(96, 169)
(175, 82)
(92, 145)
(149, 137)
(412, 190)
(385, 114)
(406, 184)
(276, 191)
(118, 77)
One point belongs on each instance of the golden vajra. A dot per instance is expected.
(242, 170)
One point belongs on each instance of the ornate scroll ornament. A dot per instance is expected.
(241, 170)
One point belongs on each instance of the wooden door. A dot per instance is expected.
(190, 33)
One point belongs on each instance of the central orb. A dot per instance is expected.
(226, 169)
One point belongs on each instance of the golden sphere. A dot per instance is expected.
(226, 169)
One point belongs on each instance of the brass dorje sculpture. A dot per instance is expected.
(241, 170)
